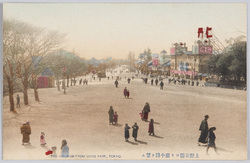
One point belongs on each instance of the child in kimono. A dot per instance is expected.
(42, 139)
(115, 117)
(127, 93)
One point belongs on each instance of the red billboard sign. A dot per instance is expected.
(172, 51)
(208, 49)
(200, 32)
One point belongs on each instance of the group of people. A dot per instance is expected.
(126, 92)
(113, 116)
(85, 81)
(26, 132)
(145, 111)
(156, 82)
(183, 81)
(207, 135)
(135, 128)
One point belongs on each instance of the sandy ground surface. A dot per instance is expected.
(81, 117)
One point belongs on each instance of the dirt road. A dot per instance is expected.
(81, 117)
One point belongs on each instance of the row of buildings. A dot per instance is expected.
(181, 62)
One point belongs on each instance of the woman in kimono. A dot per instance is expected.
(42, 139)
(126, 132)
(151, 127)
(211, 139)
(111, 115)
(65, 149)
(146, 110)
(135, 131)
(115, 117)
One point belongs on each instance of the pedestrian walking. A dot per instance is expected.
(126, 132)
(80, 82)
(115, 118)
(152, 81)
(151, 127)
(42, 139)
(17, 100)
(65, 149)
(26, 132)
(161, 84)
(197, 83)
(204, 130)
(211, 139)
(156, 81)
(129, 80)
(116, 83)
(135, 128)
(146, 110)
(111, 115)
(125, 91)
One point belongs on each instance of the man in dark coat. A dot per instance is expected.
(126, 132)
(152, 81)
(135, 131)
(116, 83)
(161, 84)
(204, 130)
(111, 115)
(156, 81)
(17, 101)
(146, 110)
(197, 83)
(25, 131)
(129, 80)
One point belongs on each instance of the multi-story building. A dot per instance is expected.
(190, 64)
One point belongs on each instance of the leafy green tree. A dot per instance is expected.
(232, 63)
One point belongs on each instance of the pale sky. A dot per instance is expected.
(113, 29)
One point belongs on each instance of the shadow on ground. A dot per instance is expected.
(130, 142)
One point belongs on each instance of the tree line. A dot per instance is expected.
(231, 65)
(27, 51)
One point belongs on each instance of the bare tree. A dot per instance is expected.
(12, 50)
(27, 43)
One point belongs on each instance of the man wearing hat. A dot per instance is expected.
(204, 130)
